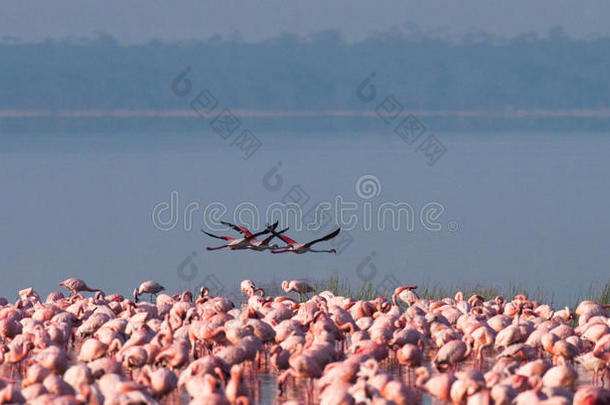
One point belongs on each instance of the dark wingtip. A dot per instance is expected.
(271, 228)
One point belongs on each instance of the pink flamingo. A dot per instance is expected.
(301, 248)
(241, 243)
(452, 353)
(406, 294)
(76, 285)
(255, 244)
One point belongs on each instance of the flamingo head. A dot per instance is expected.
(385, 306)
(246, 285)
(135, 294)
(475, 300)
(398, 290)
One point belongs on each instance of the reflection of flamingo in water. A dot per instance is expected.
(300, 248)
(241, 243)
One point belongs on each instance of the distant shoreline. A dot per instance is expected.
(187, 113)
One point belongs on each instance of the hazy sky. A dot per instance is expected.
(137, 21)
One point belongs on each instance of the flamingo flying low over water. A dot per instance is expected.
(255, 244)
(300, 248)
(242, 243)
(259, 246)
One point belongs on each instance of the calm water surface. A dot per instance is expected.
(525, 208)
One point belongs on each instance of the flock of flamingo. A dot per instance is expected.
(321, 348)
(249, 240)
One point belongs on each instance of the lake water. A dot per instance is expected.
(521, 208)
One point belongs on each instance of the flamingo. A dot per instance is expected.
(451, 354)
(259, 246)
(148, 287)
(591, 395)
(82, 348)
(298, 286)
(411, 356)
(248, 287)
(405, 294)
(300, 248)
(255, 244)
(241, 243)
(76, 285)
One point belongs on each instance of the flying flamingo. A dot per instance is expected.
(241, 243)
(301, 248)
(259, 246)
(255, 244)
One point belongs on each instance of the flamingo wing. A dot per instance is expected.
(284, 238)
(241, 229)
(269, 238)
(270, 228)
(323, 238)
(216, 236)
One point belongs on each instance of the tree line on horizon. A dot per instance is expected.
(320, 72)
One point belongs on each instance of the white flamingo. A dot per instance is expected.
(299, 286)
(148, 287)
(248, 286)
